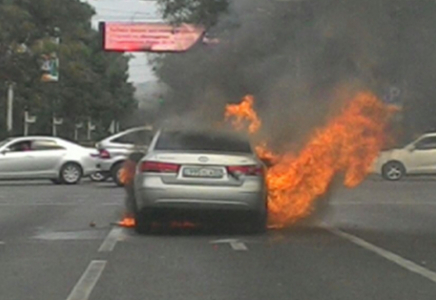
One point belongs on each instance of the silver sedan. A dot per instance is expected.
(213, 172)
(42, 157)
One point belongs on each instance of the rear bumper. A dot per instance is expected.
(192, 197)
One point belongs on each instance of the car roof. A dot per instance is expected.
(19, 138)
(127, 131)
(430, 134)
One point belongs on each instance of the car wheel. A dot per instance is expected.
(143, 222)
(71, 173)
(56, 181)
(116, 173)
(393, 171)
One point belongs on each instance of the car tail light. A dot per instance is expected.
(246, 170)
(104, 154)
(159, 167)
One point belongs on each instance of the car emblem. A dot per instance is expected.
(203, 159)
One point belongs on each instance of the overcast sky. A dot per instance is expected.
(128, 10)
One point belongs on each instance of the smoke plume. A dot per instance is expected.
(299, 58)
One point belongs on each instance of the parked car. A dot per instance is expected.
(115, 149)
(416, 158)
(200, 171)
(41, 157)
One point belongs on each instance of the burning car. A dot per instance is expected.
(187, 171)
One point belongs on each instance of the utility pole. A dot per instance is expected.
(10, 108)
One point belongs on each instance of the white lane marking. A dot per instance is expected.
(236, 245)
(83, 288)
(111, 240)
(61, 204)
(69, 235)
(402, 262)
(385, 203)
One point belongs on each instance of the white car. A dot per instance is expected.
(41, 157)
(115, 149)
(416, 158)
(213, 173)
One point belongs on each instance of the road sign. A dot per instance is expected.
(392, 96)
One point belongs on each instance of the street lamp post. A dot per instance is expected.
(10, 108)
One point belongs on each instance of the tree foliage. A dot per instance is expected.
(93, 84)
(294, 54)
(204, 12)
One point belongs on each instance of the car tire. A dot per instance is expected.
(143, 222)
(71, 173)
(393, 171)
(116, 172)
(56, 181)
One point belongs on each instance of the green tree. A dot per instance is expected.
(92, 84)
(204, 12)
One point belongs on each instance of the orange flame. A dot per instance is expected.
(348, 144)
(127, 222)
(127, 172)
(243, 112)
(266, 154)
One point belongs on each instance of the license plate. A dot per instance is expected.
(203, 172)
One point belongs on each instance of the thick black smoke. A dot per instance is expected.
(297, 57)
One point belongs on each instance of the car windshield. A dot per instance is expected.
(205, 142)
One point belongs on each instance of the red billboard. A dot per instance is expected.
(149, 37)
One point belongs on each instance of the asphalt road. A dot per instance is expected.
(378, 242)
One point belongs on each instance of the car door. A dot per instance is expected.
(17, 161)
(422, 158)
(47, 155)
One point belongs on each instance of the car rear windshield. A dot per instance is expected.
(176, 141)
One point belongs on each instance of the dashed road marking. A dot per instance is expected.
(69, 235)
(345, 203)
(236, 245)
(111, 240)
(83, 288)
(395, 258)
(61, 204)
